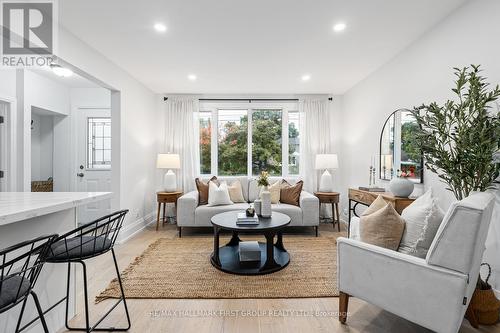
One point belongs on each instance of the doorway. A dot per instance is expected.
(94, 160)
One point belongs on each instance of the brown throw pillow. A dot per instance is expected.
(203, 189)
(382, 228)
(290, 194)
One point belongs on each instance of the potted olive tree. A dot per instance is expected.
(459, 139)
(460, 143)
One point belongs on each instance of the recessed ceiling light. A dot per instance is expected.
(339, 27)
(192, 77)
(306, 77)
(160, 27)
(61, 71)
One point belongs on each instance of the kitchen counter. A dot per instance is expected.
(20, 206)
(26, 215)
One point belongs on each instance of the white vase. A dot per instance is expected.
(401, 187)
(258, 207)
(265, 197)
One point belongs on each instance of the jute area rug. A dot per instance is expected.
(180, 268)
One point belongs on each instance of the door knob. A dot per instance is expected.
(80, 174)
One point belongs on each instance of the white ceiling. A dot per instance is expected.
(258, 46)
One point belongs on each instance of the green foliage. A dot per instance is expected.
(409, 144)
(263, 179)
(232, 146)
(460, 138)
(266, 137)
(233, 149)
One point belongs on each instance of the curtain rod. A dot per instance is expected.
(250, 100)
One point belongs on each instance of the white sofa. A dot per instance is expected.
(190, 214)
(433, 292)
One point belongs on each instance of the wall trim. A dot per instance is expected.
(134, 228)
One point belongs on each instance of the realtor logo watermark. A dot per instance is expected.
(28, 32)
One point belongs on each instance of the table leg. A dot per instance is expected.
(333, 215)
(338, 215)
(270, 262)
(279, 241)
(215, 255)
(235, 240)
(158, 216)
(164, 215)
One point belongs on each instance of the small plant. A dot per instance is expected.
(460, 138)
(263, 179)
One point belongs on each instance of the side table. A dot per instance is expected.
(165, 198)
(331, 198)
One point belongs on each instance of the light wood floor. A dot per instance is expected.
(200, 316)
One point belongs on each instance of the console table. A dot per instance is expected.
(366, 198)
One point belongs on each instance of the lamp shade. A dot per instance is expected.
(168, 161)
(327, 161)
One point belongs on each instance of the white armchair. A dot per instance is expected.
(433, 292)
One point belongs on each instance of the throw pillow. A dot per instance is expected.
(218, 195)
(203, 189)
(290, 194)
(423, 218)
(382, 228)
(377, 204)
(275, 190)
(236, 192)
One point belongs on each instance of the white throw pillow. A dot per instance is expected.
(423, 218)
(218, 195)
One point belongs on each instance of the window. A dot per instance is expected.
(99, 143)
(266, 142)
(247, 138)
(205, 142)
(232, 154)
(293, 143)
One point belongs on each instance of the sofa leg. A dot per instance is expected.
(343, 305)
(180, 231)
(317, 232)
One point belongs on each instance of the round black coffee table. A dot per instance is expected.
(273, 256)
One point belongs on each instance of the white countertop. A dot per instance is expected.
(18, 206)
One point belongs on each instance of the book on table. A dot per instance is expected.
(244, 219)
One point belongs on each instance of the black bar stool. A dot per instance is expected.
(85, 242)
(20, 267)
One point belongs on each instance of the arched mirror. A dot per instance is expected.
(398, 150)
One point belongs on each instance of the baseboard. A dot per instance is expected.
(137, 226)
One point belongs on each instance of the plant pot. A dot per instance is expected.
(401, 187)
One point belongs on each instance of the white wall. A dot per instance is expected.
(422, 73)
(138, 134)
(42, 146)
(7, 82)
(44, 93)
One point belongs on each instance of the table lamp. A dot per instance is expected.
(169, 161)
(325, 162)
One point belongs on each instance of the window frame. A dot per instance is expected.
(250, 108)
(87, 155)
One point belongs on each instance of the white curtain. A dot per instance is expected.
(181, 137)
(316, 138)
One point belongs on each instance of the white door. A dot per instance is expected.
(93, 172)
